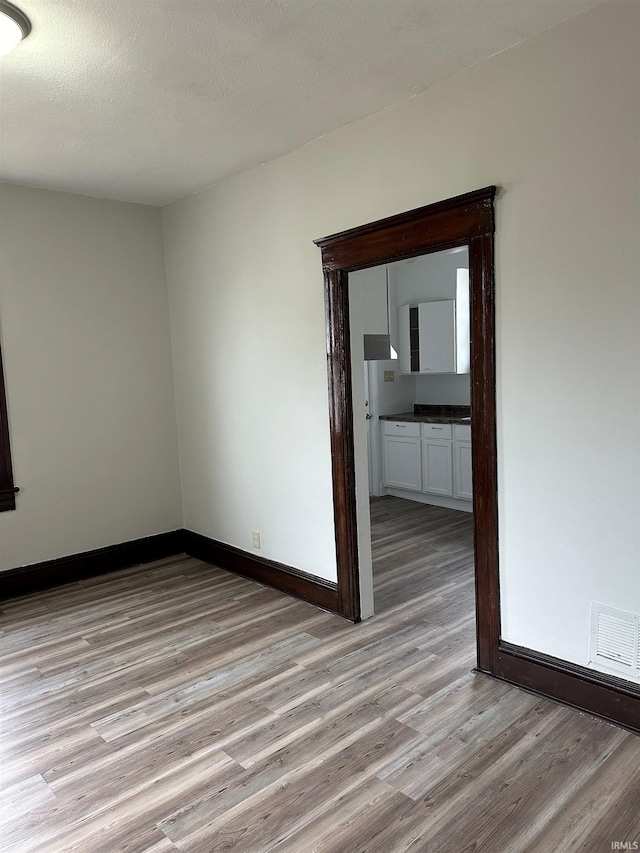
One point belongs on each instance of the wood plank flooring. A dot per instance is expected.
(176, 707)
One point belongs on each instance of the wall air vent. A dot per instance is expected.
(614, 642)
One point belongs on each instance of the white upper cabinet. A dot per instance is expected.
(437, 337)
(434, 336)
(404, 338)
(463, 323)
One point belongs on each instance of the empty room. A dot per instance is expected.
(319, 426)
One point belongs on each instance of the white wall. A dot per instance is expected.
(247, 321)
(554, 122)
(87, 357)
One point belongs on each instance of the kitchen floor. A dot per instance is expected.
(418, 548)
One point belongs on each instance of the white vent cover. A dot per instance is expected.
(614, 643)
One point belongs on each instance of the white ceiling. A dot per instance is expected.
(151, 100)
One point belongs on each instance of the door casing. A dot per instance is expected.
(466, 220)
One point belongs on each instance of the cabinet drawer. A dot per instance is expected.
(462, 432)
(399, 428)
(436, 431)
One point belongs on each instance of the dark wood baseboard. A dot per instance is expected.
(614, 699)
(26, 579)
(8, 498)
(313, 590)
(611, 698)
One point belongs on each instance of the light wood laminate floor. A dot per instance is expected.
(175, 707)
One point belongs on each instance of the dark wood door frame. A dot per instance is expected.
(8, 489)
(466, 220)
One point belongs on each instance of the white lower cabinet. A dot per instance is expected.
(402, 456)
(434, 459)
(437, 466)
(462, 471)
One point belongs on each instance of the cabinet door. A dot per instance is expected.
(436, 324)
(463, 472)
(437, 466)
(402, 462)
(404, 339)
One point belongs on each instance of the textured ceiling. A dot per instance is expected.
(151, 100)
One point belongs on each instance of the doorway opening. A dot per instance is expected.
(417, 412)
(465, 222)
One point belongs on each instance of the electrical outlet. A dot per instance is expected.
(256, 538)
(389, 376)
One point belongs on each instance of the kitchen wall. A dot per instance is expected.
(555, 123)
(424, 279)
(453, 389)
(86, 347)
(396, 396)
(373, 308)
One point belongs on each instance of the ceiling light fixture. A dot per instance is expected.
(14, 26)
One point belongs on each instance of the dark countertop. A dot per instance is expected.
(431, 414)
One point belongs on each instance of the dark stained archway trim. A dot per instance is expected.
(464, 220)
